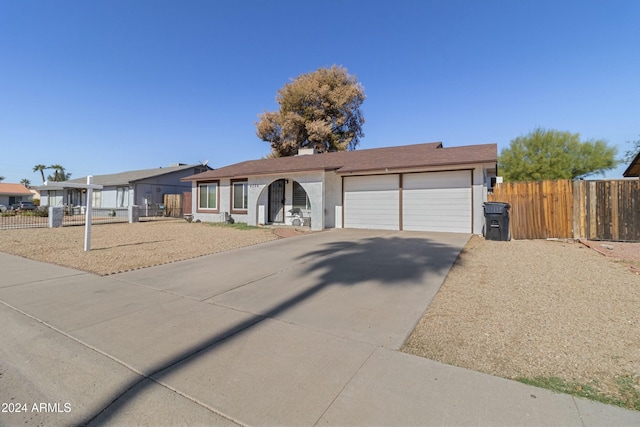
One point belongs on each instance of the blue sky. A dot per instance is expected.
(108, 86)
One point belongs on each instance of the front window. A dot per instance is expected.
(300, 198)
(122, 197)
(208, 195)
(240, 196)
(96, 197)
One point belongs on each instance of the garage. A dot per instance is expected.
(431, 201)
(372, 202)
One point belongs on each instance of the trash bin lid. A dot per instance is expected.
(496, 207)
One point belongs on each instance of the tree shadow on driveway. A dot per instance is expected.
(400, 267)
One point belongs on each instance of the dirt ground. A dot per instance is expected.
(121, 247)
(538, 309)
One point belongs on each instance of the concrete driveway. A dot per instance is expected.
(300, 331)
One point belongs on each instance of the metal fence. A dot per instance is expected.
(40, 218)
(98, 216)
(24, 219)
(76, 216)
(159, 211)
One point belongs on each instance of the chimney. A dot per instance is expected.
(306, 151)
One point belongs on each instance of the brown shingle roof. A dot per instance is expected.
(389, 158)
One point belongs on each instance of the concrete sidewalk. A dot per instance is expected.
(301, 331)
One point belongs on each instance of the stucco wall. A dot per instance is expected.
(324, 190)
(313, 184)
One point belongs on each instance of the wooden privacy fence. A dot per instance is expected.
(539, 210)
(597, 210)
(173, 205)
(608, 210)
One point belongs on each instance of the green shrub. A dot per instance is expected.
(37, 212)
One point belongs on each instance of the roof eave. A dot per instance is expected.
(203, 176)
(634, 168)
(412, 167)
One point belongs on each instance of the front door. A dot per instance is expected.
(276, 201)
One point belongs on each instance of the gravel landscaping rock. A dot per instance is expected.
(536, 309)
(121, 247)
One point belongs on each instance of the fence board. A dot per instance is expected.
(579, 209)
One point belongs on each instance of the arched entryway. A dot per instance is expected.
(302, 202)
(285, 201)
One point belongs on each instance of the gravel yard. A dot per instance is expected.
(121, 247)
(539, 309)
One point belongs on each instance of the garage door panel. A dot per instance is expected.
(436, 180)
(372, 202)
(374, 183)
(439, 201)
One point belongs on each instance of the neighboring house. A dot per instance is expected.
(11, 194)
(634, 168)
(423, 187)
(120, 190)
(35, 194)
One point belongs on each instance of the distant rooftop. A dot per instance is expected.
(126, 178)
(7, 189)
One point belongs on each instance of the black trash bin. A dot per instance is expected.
(496, 221)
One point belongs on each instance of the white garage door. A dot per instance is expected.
(437, 201)
(372, 202)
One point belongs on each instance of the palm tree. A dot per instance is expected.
(25, 182)
(40, 168)
(60, 174)
(56, 171)
(1, 178)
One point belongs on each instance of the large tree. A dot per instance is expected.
(318, 110)
(40, 168)
(633, 152)
(552, 154)
(59, 174)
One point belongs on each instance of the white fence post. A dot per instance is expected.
(134, 213)
(87, 225)
(56, 216)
